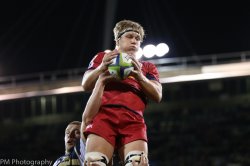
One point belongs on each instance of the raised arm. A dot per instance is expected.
(89, 79)
(90, 76)
(152, 88)
(94, 102)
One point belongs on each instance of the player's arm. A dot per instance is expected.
(92, 106)
(89, 79)
(94, 102)
(90, 76)
(152, 88)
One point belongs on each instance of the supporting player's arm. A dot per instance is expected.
(92, 105)
(94, 102)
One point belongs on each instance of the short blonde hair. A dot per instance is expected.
(75, 123)
(78, 123)
(127, 25)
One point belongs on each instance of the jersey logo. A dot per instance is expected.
(89, 126)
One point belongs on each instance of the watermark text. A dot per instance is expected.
(15, 161)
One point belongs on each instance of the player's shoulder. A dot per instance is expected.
(68, 159)
(61, 160)
(100, 54)
(147, 64)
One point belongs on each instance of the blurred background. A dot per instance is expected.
(203, 119)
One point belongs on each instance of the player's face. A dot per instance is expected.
(129, 42)
(72, 133)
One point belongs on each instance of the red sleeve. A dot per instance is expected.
(150, 71)
(96, 61)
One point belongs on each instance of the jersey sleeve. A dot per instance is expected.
(72, 158)
(57, 162)
(82, 150)
(96, 61)
(151, 71)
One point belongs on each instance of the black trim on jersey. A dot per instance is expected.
(118, 106)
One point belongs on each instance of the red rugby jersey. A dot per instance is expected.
(127, 92)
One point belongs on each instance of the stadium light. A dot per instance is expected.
(139, 53)
(151, 50)
(162, 49)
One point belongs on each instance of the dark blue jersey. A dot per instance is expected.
(70, 159)
(74, 158)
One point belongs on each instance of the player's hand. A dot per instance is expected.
(137, 72)
(107, 60)
(105, 77)
(143, 161)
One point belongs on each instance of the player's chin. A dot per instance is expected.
(132, 51)
(135, 49)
